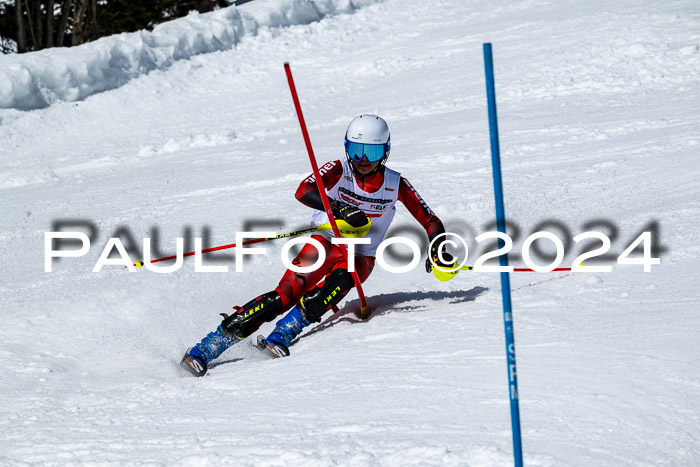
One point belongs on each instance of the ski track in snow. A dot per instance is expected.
(599, 118)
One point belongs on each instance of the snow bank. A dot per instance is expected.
(37, 80)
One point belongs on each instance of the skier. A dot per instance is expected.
(358, 188)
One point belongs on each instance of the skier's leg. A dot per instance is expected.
(294, 285)
(268, 306)
(253, 314)
(316, 302)
(232, 329)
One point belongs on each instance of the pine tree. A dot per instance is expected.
(28, 25)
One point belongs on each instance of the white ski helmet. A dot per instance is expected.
(368, 136)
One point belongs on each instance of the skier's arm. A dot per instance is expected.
(420, 210)
(427, 218)
(308, 194)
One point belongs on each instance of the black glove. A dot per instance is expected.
(449, 262)
(350, 214)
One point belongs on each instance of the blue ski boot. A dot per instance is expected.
(287, 329)
(234, 328)
(310, 309)
(197, 358)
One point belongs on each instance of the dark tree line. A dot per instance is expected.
(28, 25)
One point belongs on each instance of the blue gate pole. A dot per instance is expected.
(505, 277)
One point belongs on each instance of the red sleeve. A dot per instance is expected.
(419, 209)
(307, 193)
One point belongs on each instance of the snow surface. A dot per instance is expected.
(600, 122)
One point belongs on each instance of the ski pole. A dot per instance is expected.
(449, 274)
(347, 231)
(364, 311)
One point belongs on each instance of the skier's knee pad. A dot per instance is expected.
(320, 299)
(250, 316)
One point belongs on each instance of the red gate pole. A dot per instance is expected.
(364, 311)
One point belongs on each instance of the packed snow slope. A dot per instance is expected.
(600, 130)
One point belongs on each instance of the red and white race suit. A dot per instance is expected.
(376, 195)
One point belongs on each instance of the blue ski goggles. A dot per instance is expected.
(373, 152)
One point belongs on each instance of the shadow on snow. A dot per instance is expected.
(380, 305)
(392, 303)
